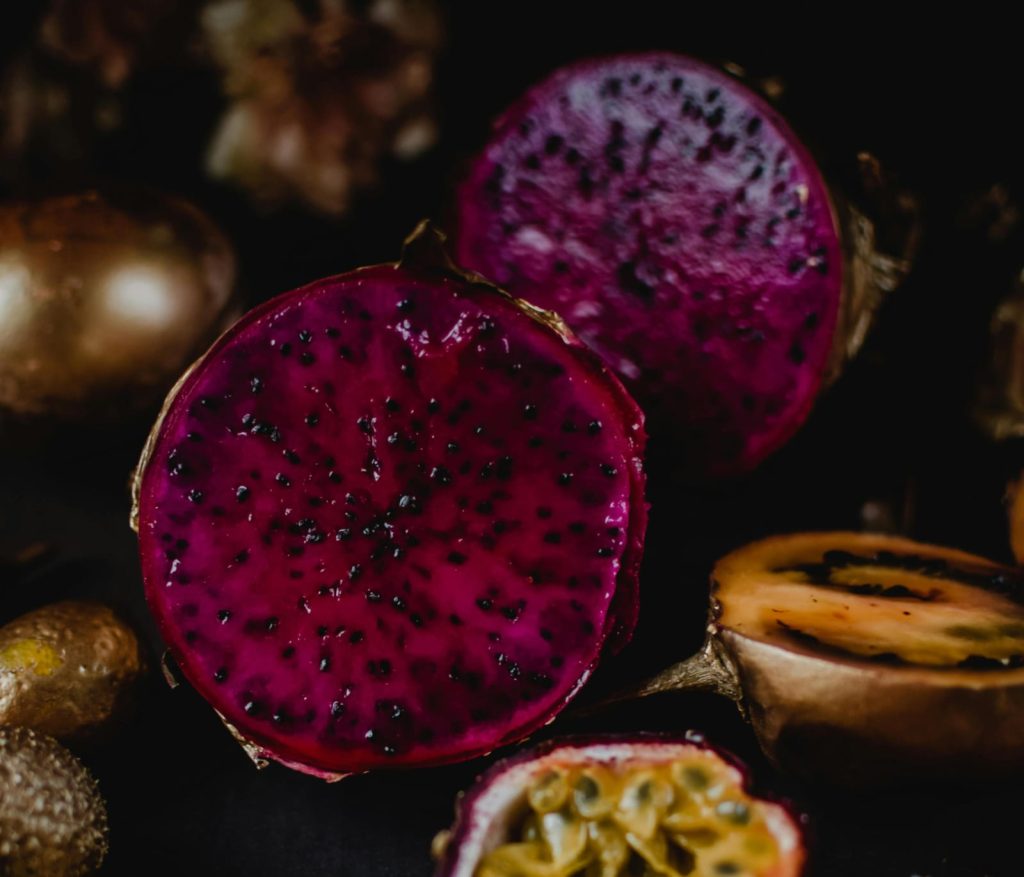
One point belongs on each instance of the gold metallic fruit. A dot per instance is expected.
(53, 821)
(619, 806)
(865, 660)
(67, 670)
(104, 299)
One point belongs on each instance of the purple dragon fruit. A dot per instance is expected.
(391, 518)
(682, 230)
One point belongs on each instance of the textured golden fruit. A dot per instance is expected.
(67, 669)
(53, 821)
(864, 659)
(104, 299)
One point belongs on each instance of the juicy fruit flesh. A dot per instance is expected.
(878, 598)
(384, 520)
(681, 229)
(679, 817)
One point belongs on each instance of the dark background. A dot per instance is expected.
(943, 110)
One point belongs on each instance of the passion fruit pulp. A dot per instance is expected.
(604, 808)
(866, 660)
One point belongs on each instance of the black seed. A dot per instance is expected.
(221, 674)
(530, 411)
(305, 336)
(288, 652)
(553, 144)
(312, 419)
(343, 534)
(251, 707)
(605, 552)
(454, 619)
(405, 305)
(553, 537)
(242, 556)
(796, 354)
(271, 623)
(544, 512)
(379, 668)
(224, 616)
(291, 456)
(283, 479)
(485, 604)
(337, 709)
(565, 479)
(364, 425)
(325, 664)
(356, 637)
(546, 634)
(354, 571)
(255, 384)
(195, 496)
(457, 557)
(392, 404)
(441, 475)
(609, 470)
(594, 427)
(281, 715)
(286, 348)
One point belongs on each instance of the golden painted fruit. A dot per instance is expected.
(67, 670)
(53, 821)
(863, 659)
(104, 299)
(619, 806)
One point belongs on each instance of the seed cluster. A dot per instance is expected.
(678, 818)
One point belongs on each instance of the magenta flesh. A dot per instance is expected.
(682, 230)
(391, 519)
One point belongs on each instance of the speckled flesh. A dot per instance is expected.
(391, 519)
(679, 226)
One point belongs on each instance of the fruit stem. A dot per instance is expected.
(708, 670)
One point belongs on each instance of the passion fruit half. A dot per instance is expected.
(619, 806)
(865, 660)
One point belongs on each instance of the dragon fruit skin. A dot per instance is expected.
(390, 519)
(682, 230)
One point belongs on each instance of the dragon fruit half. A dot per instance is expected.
(682, 230)
(391, 518)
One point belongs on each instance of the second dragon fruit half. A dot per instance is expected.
(683, 230)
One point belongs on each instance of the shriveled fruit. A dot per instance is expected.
(53, 821)
(104, 298)
(391, 518)
(67, 670)
(683, 231)
(644, 805)
(865, 659)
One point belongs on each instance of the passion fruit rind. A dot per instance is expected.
(864, 660)
(675, 804)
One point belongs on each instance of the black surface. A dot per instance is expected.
(185, 800)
